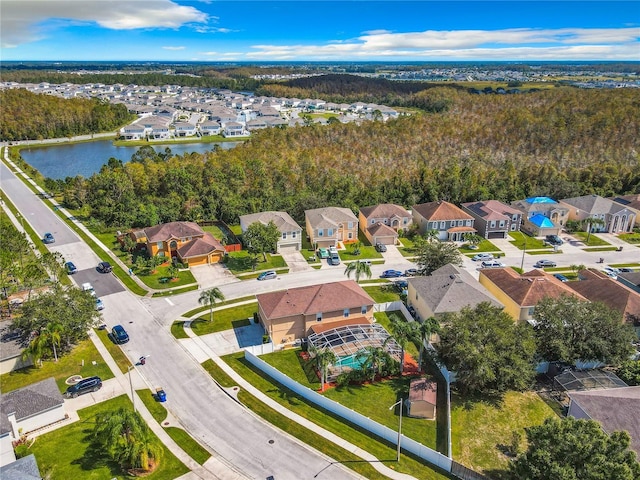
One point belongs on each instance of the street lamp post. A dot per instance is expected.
(133, 398)
(399, 402)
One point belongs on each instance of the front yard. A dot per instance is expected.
(241, 262)
(594, 241)
(633, 238)
(525, 242)
(225, 319)
(483, 246)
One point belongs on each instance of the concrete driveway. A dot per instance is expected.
(232, 341)
(295, 260)
(212, 275)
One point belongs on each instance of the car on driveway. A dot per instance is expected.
(625, 270)
(334, 259)
(323, 253)
(401, 284)
(105, 267)
(481, 257)
(561, 277)
(411, 272)
(380, 247)
(70, 268)
(544, 263)
(48, 238)
(119, 334)
(268, 275)
(554, 240)
(391, 274)
(89, 384)
(611, 272)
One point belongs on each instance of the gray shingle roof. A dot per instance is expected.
(25, 468)
(32, 399)
(283, 220)
(329, 217)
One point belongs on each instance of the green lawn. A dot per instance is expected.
(520, 239)
(218, 374)
(66, 453)
(289, 362)
(204, 308)
(240, 262)
(157, 410)
(600, 249)
(406, 247)
(478, 428)
(66, 366)
(177, 329)
(594, 241)
(213, 230)
(383, 451)
(114, 350)
(630, 237)
(383, 293)
(225, 319)
(483, 246)
(176, 291)
(161, 279)
(366, 252)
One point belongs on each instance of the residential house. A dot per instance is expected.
(447, 290)
(449, 221)
(290, 231)
(184, 240)
(330, 225)
(521, 293)
(596, 286)
(631, 280)
(30, 408)
(288, 315)
(256, 124)
(11, 349)
(630, 201)
(24, 468)
(184, 129)
(133, 132)
(615, 217)
(598, 405)
(542, 216)
(234, 129)
(493, 219)
(381, 223)
(210, 128)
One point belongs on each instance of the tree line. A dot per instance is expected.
(28, 116)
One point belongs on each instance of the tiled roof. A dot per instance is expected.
(451, 288)
(283, 220)
(32, 399)
(384, 210)
(200, 246)
(422, 390)
(329, 217)
(529, 288)
(598, 405)
(382, 230)
(326, 297)
(166, 231)
(438, 211)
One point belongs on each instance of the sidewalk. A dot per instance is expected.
(205, 351)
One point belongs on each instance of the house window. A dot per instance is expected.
(443, 225)
(330, 232)
(513, 227)
(294, 234)
(159, 245)
(469, 223)
(284, 235)
(320, 232)
(405, 220)
(416, 295)
(319, 317)
(515, 218)
(531, 310)
(493, 224)
(350, 225)
(346, 312)
(373, 220)
(350, 235)
(363, 310)
(501, 223)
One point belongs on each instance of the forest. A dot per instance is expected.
(26, 115)
(560, 142)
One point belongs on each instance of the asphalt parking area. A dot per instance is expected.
(103, 283)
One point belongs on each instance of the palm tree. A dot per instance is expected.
(427, 328)
(472, 239)
(432, 235)
(324, 357)
(210, 297)
(127, 438)
(173, 270)
(49, 335)
(355, 248)
(591, 223)
(373, 359)
(360, 268)
(403, 332)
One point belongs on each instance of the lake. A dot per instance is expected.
(61, 161)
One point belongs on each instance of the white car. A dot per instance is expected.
(492, 264)
(482, 257)
(87, 287)
(333, 249)
(611, 272)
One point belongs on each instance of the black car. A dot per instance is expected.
(89, 384)
(104, 267)
(70, 267)
(380, 247)
(119, 334)
(554, 240)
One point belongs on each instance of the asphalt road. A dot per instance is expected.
(249, 446)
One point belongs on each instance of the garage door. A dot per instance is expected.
(497, 235)
(288, 248)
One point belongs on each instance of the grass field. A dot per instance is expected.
(483, 246)
(240, 262)
(383, 293)
(594, 241)
(67, 453)
(205, 308)
(66, 366)
(525, 242)
(225, 319)
(630, 237)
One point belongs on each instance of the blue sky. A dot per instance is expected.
(326, 30)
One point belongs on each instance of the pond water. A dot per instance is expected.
(61, 161)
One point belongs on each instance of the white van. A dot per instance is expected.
(492, 264)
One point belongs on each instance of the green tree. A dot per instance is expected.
(324, 357)
(127, 439)
(433, 255)
(261, 238)
(210, 297)
(426, 329)
(473, 239)
(358, 268)
(374, 360)
(403, 332)
(173, 270)
(54, 263)
(570, 449)
(489, 353)
(568, 330)
(629, 371)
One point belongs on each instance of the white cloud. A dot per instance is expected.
(25, 21)
(173, 48)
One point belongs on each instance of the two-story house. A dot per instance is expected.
(329, 226)
(449, 221)
(493, 219)
(290, 231)
(542, 216)
(381, 223)
(615, 217)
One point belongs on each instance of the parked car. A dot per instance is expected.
(482, 257)
(48, 238)
(333, 250)
(70, 267)
(119, 334)
(492, 264)
(544, 263)
(611, 272)
(99, 304)
(625, 270)
(380, 247)
(391, 274)
(89, 384)
(268, 275)
(334, 259)
(104, 267)
(412, 311)
(401, 284)
(411, 272)
(561, 277)
(554, 240)
(323, 253)
(87, 287)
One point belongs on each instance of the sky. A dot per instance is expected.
(323, 30)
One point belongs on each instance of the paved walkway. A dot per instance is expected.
(199, 349)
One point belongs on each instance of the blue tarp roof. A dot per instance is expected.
(541, 221)
(540, 200)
